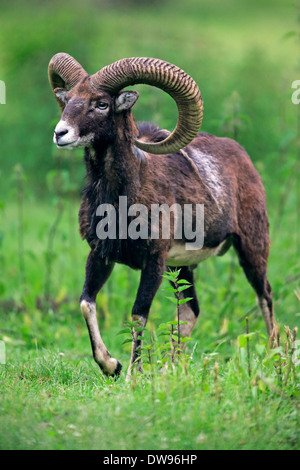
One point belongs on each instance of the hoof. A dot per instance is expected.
(111, 368)
(112, 372)
(117, 370)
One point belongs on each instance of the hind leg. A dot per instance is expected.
(189, 311)
(254, 261)
(151, 277)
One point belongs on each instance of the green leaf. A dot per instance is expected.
(169, 278)
(183, 281)
(171, 289)
(163, 326)
(171, 275)
(128, 340)
(122, 332)
(243, 339)
(181, 288)
(173, 300)
(183, 301)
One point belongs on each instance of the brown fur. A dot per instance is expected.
(216, 172)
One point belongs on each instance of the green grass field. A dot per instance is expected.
(229, 390)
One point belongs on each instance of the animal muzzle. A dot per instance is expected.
(64, 135)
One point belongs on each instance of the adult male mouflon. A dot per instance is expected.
(148, 166)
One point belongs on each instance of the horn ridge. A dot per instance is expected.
(170, 78)
(64, 71)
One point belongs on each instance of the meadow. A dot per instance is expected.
(230, 389)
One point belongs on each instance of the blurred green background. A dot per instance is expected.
(243, 55)
(225, 45)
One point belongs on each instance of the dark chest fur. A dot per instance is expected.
(105, 184)
(130, 252)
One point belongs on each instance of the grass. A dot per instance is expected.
(55, 401)
(52, 394)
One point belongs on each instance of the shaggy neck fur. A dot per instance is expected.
(113, 170)
(112, 166)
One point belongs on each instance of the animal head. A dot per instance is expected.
(89, 116)
(91, 104)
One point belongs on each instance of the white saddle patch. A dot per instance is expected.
(179, 256)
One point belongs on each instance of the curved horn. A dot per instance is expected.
(64, 71)
(174, 81)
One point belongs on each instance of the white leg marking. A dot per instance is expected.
(267, 314)
(142, 322)
(186, 314)
(101, 354)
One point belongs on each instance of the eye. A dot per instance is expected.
(102, 105)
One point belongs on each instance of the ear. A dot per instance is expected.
(60, 94)
(125, 100)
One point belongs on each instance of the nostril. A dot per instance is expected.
(61, 133)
